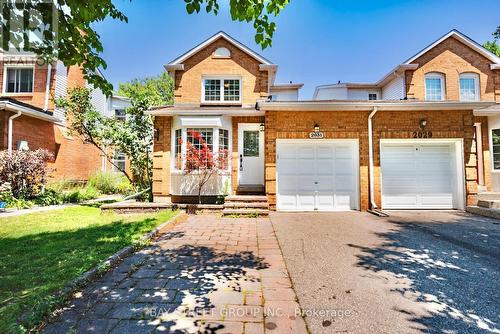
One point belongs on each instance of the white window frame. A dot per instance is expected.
(435, 75)
(221, 78)
(215, 145)
(122, 118)
(124, 160)
(223, 53)
(18, 66)
(376, 96)
(475, 77)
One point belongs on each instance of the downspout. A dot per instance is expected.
(47, 87)
(9, 136)
(370, 158)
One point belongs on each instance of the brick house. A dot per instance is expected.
(417, 138)
(31, 121)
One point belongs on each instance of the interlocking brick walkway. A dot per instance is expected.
(206, 275)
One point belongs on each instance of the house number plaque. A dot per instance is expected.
(316, 135)
(421, 134)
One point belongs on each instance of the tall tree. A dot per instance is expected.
(158, 90)
(493, 46)
(64, 29)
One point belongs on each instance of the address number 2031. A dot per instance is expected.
(421, 134)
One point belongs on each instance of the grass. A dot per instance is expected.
(41, 252)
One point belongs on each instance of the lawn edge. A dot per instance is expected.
(65, 293)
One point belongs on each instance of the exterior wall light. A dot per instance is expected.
(422, 123)
(262, 127)
(316, 127)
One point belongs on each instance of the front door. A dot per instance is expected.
(250, 154)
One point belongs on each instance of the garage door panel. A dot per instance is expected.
(418, 175)
(324, 173)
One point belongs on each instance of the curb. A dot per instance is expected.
(103, 267)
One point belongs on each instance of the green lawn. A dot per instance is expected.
(41, 252)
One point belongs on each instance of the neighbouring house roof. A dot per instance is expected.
(409, 65)
(175, 64)
(7, 103)
(289, 86)
(174, 110)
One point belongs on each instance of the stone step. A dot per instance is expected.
(245, 198)
(245, 212)
(477, 210)
(488, 196)
(247, 205)
(490, 204)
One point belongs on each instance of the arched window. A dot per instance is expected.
(469, 87)
(222, 53)
(434, 87)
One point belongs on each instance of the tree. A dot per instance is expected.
(158, 90)
(65, 28)
(132, 137)
(202, 162)
(493, 46)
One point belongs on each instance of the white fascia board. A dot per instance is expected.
(198, 112)
(201, 121)
(464, 39)
(495, 66)
(367, 106)
(6, 105)
(280, 87)
(176, 67)
(220, 34)
(493, 110)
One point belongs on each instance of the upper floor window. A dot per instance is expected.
(120, 114)
(372, 96)
(19, 80)
(221, 90)
(434, 87)
(222, 53)
(469, 87)
(119, 163)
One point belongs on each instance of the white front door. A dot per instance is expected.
(250, 154)
(420, 175)
(317, 175)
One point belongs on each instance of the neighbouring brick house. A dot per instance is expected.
(417, 138)
(28, 90)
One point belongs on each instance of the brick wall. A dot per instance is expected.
(161, 158)
(188, 82)
(386, 125)
(451, 58)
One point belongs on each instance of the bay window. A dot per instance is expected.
(223, 90)
(217, 140)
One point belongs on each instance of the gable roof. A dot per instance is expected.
(462, 38)
(221, 34)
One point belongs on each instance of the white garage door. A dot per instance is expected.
(420, 176)
(317, 175)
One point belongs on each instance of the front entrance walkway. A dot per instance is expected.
(206, 275)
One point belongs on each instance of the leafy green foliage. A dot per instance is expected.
(493, 46)
(110, 183)
(66, 28)
(257, 11)
(80, 195)
(158, 90)
(42, 252)
(49, 197)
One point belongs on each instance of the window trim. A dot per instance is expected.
(376, 96)
(121, 118)
(492, 152)
(470, 75)
(115, 169)
(215, 145)
(221, 78)
(18, 66)
(435, 75)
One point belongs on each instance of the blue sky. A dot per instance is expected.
(317, 41)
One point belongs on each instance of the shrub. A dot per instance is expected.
(81, 195)
(110, 183)
(26, 171)
(49, 197)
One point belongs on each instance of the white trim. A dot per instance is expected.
(215, 112)
(262, 147)
(476, 78)
(218, 35)
(442, 79)
(8, 105)
(221, 78)
(17, 66)
(459, 161)
(464, 39)
(356, 162)
(490, 136)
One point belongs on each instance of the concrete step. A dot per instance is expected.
(488, 196)
(243, 205)
(486, 212)
(245, 198)
(245, 212)
(490, 204)
(251, 190)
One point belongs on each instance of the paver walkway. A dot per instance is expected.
(206, 275)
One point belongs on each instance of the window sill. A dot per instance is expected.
(221, 103)
(18, 94)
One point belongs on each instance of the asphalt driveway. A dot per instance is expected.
(413, 272)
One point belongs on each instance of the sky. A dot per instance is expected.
(316, 42)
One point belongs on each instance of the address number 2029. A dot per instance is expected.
(422, 134)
